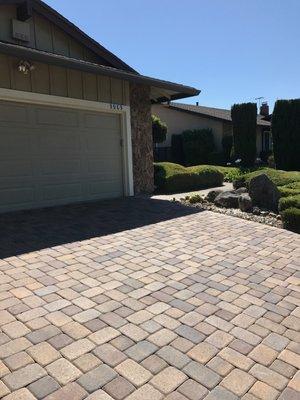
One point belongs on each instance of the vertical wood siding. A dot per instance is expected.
(45, 36)
(58, 81)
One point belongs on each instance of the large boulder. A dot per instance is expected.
(245, 203)
(227, 200)
(213, 194)
(264, 192)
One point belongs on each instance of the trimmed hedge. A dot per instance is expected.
(291, 219)
(244, 123)
(286, 134)
(288, 202)
(197, 145)
(280, 178)
(227, 143)
(177, 149)
(172, 178)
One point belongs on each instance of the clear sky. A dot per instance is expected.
(233, 50)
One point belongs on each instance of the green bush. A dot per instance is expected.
(280, 178)
(197, 145)
(290, 189)
(227, 143)
(286, 134)
(244, 122)
(195, 198)
(172, 178)
(177, 149)
(291, 219)
(159, 130)
(288, 202)
(216, 158)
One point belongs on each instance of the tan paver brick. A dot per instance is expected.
(134, 372)
(63, 371)
(204, 306)
(43, 353)
(168, 380)
(238, 382)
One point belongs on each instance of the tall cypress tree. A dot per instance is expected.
(244, 124)
(286, 134)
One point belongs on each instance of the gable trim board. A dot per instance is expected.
(34, 99)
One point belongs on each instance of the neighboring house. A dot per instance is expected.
(75, 120)
(180, 117)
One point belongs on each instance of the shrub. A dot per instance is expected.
(244, 122)
(216, 158)
(288, 202)
(159, 130)
(195, 198)
(290, 189)
(197, 145)
(271, 161)
(291, 219)
(177, 149)
(286, 134)
(280, 178)
(172, 178)
(227, 143)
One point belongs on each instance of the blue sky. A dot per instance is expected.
(233, 50)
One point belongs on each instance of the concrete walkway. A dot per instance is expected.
(203, 193)
(147, 300)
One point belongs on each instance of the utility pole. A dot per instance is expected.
(259, 100)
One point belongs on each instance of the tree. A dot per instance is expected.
(286, 134)
(197, 144)
(159, 130)
(244, 124)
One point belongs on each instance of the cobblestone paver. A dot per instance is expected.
(146, 300)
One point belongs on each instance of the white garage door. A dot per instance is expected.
(51, 156)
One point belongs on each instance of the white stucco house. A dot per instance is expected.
(180, 117)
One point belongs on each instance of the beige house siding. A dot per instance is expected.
(44, 35)
(58, 81)
(178, 121)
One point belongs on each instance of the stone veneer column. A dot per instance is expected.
(141, 131)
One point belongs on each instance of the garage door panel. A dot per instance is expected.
(16, 197)
(104, 189)
(102, 121)
(64, 191)
(110, 165)
(53, 142)
(56, 166)
(13, 113)
(14, 143)
(16, 168)
(46, 116)
(102, 144)
(52, 156)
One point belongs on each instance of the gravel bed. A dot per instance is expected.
(268, 219)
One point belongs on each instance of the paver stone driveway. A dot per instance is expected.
(144, 299)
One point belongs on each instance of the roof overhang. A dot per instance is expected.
(160, 90)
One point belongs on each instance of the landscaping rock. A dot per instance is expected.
(245, 202)
(264, 192)
(256, 211)
(213, 194)
(241, 190)
(227, 200)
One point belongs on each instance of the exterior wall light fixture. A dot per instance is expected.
(25, 67)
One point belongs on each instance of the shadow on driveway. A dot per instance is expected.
(26, 231)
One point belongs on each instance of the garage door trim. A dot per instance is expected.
(65, 102)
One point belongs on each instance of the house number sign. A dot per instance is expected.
(116, 107)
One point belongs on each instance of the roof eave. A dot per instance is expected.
(177, 91)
